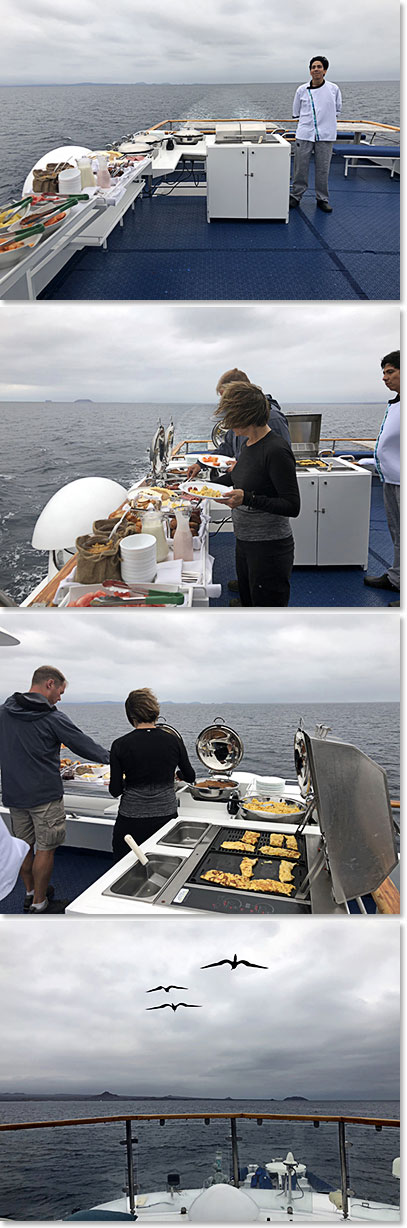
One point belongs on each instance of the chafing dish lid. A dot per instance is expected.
(219, 747)
(354, 812)
(169, 441)
(168, 728)
(157, 449)
(218, 434)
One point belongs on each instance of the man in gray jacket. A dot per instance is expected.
(31, 732)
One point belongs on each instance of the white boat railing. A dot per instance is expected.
(315, 1119)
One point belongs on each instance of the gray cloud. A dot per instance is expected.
(325, 981)
(212, 43)
(306, 656)
(165, 352)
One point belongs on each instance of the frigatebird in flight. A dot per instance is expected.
(193, 1005)
(233, 963)
(166, 988)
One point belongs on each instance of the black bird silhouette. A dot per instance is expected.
(233, 963)
(166, 989)
(194, 1005)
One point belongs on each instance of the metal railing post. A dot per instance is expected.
(235, 1155)
(130, 1169)
(344, 1168)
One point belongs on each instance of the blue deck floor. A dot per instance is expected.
(167, 250)
(322, 586)
(74, 871)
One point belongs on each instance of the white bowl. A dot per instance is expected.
(138, 544)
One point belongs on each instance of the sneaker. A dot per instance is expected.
(380, 582)
(58, 906)
(233, 586)
(294, 202)
(29, 898)
(323, 204)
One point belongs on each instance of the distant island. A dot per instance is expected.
(15, 1096)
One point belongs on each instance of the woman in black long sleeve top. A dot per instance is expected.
(265, 495)
(142, 769)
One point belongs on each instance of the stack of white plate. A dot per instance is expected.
(138, 558)
(270, 786)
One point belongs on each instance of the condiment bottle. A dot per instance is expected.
(153, 523)
(182, 540)
(103, 179)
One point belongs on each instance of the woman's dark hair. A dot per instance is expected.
(392, 359)
(243, 405)
(323, 60)
(142, 707)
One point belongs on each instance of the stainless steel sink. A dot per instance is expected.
(186, 834)
(145, 882)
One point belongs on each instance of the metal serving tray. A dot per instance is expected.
(145, 882)
(184, 834)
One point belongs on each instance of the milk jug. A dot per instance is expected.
(153, 523)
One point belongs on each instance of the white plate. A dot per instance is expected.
(194, 487)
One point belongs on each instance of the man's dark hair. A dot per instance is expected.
(323, 60)
(393, 360)
(44, 673)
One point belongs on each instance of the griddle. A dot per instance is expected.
(233, 833)
(229, 863)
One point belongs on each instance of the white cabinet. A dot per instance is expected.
(343, 520)
(248, 180)
(332, 529)
(305, 526)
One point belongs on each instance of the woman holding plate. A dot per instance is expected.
(265, 494)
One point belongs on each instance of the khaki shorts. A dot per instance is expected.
(44, 826)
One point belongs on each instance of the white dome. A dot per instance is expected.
(223, 1204)
(72, 510)
(64, 153)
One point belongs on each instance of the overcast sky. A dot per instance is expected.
(330, 988)
(271, 656)
(222, 40)
(168, 352)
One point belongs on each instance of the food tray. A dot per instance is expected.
(265, 868)
(233, 833)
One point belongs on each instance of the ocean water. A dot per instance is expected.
(44, 445)
(37, 119)
(48, 1174)
(267, 730)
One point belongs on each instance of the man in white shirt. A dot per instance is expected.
(387, 459)
(317, 105)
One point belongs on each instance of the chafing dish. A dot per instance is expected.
(220, 749)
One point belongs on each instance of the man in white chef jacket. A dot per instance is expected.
(317, 106)
(387, 461)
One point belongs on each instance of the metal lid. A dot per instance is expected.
(157, 450)
(305, 431)
(168, 728)
(218, 434)
(301, 763)
(354, 811)
(169, 441)
(219, 747)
